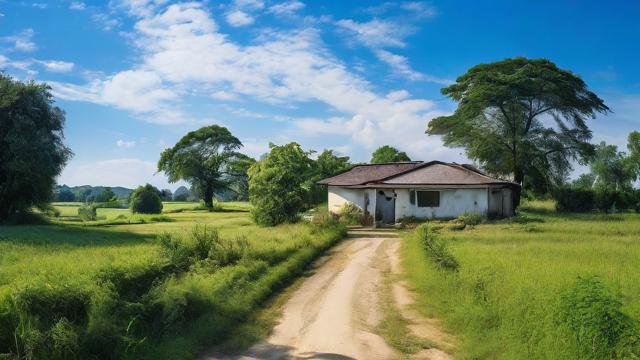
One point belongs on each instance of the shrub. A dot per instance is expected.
(87, 212)
(471, 219)
(351, 214)
(594, 317)
(146, 200)
(323, 218)
(436, 248)
(570, 199)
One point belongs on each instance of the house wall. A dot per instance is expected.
(338, 196)
(453, 203)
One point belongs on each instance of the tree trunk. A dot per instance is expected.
(517, 192)
(208, 196)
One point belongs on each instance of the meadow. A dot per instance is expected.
(505, 300)
(144, 286)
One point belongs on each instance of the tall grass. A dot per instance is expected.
(506, 300)
(71, 292)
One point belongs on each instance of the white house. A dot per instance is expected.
(432, 189)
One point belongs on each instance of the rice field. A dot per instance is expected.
(110, 288)
(504, 301)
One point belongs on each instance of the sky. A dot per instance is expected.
(134, 76)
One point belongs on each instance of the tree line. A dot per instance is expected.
(520, 119)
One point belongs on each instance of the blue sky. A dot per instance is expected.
(135, 75)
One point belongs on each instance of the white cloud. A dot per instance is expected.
(125, 144)
(239, 18)
(116, 172)
(77, 5)
(255, 4)
(224, 95)
(108, 23)
(376, 33)
(39, 5)
(182, 48)
(419, 9)
(57, 65)
(286, 8)
(22, 41)
(400, 65)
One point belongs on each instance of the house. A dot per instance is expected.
(432, 189)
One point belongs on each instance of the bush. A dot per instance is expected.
(570, 199)
(323, 218)
(146, 200)
(471, 219)
(87, 212)
(350, 214)
(436, 248)
(594, 317)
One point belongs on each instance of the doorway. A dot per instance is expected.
(386, 206)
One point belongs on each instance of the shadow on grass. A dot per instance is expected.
(70, 235)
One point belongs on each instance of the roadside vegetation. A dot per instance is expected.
(543, 285)
(70, 290)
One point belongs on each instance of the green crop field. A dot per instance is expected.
(505, 300)
(112, 288)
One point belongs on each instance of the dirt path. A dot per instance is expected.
(333, 314)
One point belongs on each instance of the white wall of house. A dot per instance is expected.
(453, 203)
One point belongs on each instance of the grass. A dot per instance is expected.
(109, 289)
(503, 303)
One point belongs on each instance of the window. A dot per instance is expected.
(428, 198)
(412, 197)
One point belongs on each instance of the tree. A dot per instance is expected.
(500, 113)
(166, 195)
(239, 177)
(32, 151)
(145, 200)
(388, 154)
(203, 158)
(613, 169)
(326, 165)
(278, 184)
(106, 195)
(65, 195)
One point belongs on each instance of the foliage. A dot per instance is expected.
(436, 248)
(613, 170)
(594, 317)
(322, 217)
(351, 214)
(32, 152)
(584, 181)
(65, 195)
(166, 195)
(203, 158)
(278, 184)
(471, 219)
(87, 212)
(105, 196)
(504, 301)
(326, 165)
(135, 298)
(146, 200)
(570, 199)
(238, 170)
(499, 120)
(388, 154)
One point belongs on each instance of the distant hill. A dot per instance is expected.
(84, 191)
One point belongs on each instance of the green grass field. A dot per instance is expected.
(109, 288)
(503, 303)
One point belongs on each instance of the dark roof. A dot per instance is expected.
(366, 173)
(413, 173)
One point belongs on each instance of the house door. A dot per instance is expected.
(495, 203)
(386, 206)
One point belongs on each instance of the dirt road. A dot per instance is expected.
(334, 313)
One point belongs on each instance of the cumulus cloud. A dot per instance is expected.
(375, 33)
(400, 65)
(57, 65)
(22, 41)
(125, 144)
(239, 18)
(77, 5)
(286, 8)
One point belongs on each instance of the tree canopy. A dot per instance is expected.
(279, 184)
(146, 200)
(612, 169)
(388, 154)
(521, 118)
(205, 159)
(32, 149)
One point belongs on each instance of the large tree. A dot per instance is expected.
(388, 154)
(279, 186)
(326, 165)
(204, 159)
(521, 118)
(32, 151)
(612, 169)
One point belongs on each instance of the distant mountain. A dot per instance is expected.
(84, 191)
(182, 194)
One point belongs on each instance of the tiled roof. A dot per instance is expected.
(414, 173)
